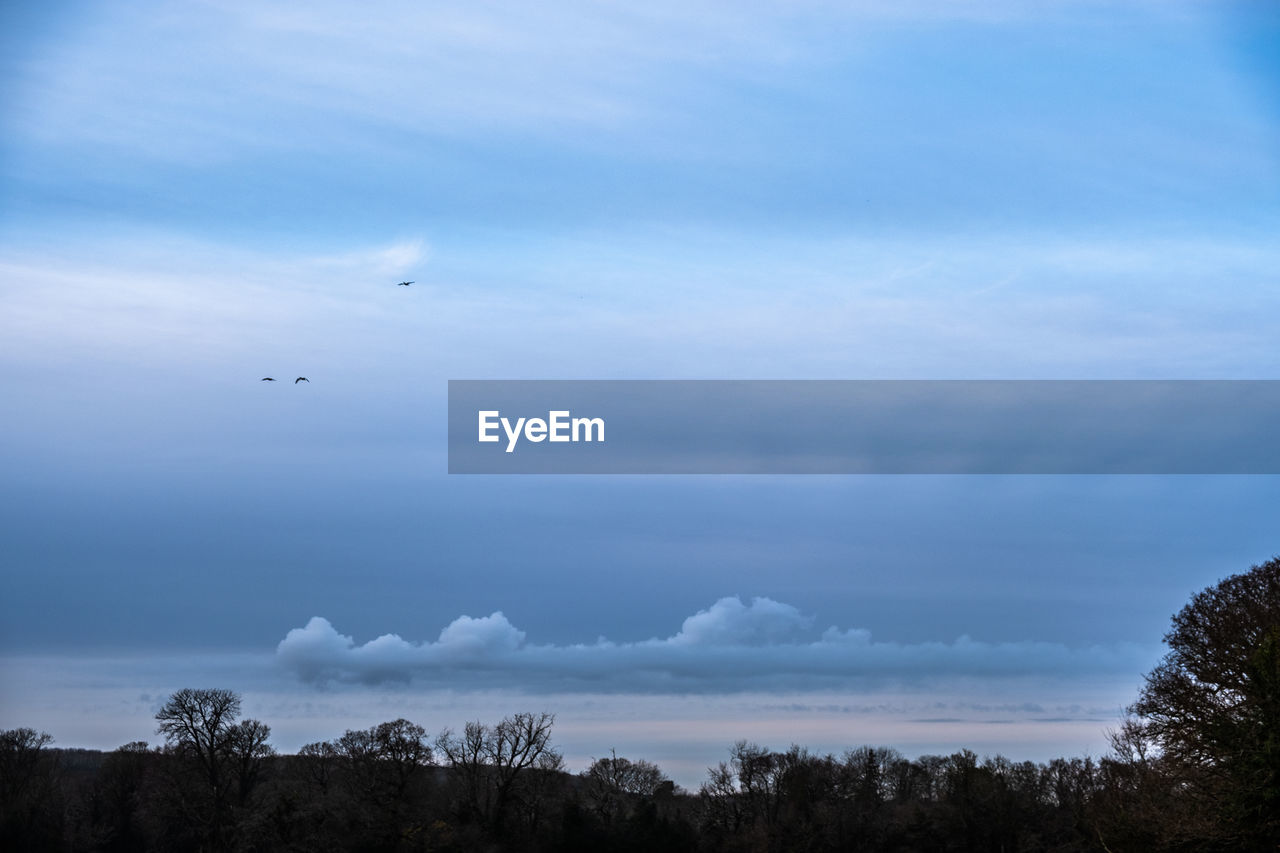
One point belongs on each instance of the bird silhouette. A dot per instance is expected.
(404, 284)
(267, 379)
(301, 379)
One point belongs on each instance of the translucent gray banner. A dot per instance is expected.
(864, 427)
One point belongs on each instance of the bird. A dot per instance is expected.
(267, 379)
(301, 379)
(404, 284)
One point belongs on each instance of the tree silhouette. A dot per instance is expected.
(611, 785)
(216, 763)
(374, 780)
(114, 800)
(492, 766)
(1212, 709)
(30, 807)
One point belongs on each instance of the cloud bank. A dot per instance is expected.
(729, 647)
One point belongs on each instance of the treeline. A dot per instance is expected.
(217, 785)
(1195, 768)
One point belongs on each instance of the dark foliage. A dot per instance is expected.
(380, 790)
(1208, 718)
(31, 796)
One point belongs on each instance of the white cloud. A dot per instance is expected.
(318, 652)
(731, 646)
(491, 634)
(729, 622)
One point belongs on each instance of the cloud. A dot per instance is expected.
(391, 259)
(729, 622)
(506, 65)
(491, 634)
(318, 652)
(729, 647)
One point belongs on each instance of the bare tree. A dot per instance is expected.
(116, 801)
(744, 791)
(30, 807)
(609, 783)
(383, 760)
(199, 724)
(759, 776)
(319, 761)
(247, 753)
(202, 735)
(380, 771)
(490, 763)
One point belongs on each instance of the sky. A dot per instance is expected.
(194, 197)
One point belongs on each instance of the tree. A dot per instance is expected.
(114, 820)
(491, 765)
(383, 785)
(743, 794)
(610, 784)
(382, 761)
(198, 724)
(1212, 708)
(30, 802)
(218, 761)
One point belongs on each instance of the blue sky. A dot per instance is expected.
(193, 198)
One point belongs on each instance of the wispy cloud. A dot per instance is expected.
(850, 308)
(394, 258)
(730, 646)
(213, 83)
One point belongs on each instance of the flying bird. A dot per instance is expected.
(267, 379)
(301, 379)
(403, 283)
